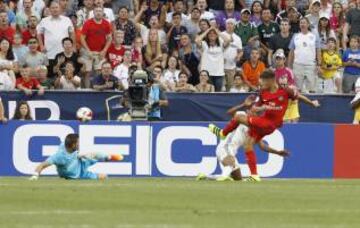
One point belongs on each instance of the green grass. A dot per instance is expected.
(148, 202)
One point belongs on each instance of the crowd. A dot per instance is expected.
(194, 46)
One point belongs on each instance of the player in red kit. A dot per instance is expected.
(272, 105)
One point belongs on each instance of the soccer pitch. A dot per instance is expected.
(178, 202)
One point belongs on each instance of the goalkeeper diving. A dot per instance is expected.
(72, 165)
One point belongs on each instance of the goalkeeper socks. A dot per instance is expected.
(231, 126)
(251, 161)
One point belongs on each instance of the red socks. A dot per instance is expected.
(251, 161)
(231, 126)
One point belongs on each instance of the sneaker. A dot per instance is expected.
(116, 157)
(253, 178)
(201, 177)
(216, 131)
(224, 179)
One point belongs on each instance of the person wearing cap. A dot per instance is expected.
(247, 32)
(233, 53)
(330, 77)
(267, 29)
(227, 13)
(285, 78)
(324, 32)
(314, 14)
(305, 57)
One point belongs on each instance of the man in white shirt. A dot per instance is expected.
(232, 54)
(202, 5)
(54, 29)
(108, 12)
(38, 6)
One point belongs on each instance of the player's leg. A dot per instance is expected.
(251, 158)
(239, 118)
(102, 156)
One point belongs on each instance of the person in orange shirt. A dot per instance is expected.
(252, 69)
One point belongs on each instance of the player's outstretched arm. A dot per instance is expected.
(314, 103)
(39, 169)
(263, 146)
(248, 102)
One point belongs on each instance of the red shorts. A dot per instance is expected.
(260, 127)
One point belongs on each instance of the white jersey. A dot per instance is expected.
(231, 144)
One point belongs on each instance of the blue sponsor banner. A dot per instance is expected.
(164, 148)
(55, 105)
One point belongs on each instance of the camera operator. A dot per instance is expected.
(145, 94)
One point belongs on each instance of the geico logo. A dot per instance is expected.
(53, 108)
(137, 148)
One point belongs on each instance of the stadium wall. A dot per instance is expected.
(167, 149)
(55, 105)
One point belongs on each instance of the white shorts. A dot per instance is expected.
(231, 144)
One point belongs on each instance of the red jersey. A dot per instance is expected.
(115, 56)
(7, 33)
(277, 104)
(32, 83)
(96, 34)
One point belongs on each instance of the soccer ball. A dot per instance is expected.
(84, 114)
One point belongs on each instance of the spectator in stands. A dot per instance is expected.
(3, 119)
(325, 8)
(314, 15)
(154, 8)
(247, 32)
(175, 32)
(116, 50)
(324, 32)
(6, 31)
(179, 7)
(331, 62)
(8, 62)
(351, 62)
(154, 53)
(171, 73)
(337, 20)
(83, 14)
(122, 70)
(96, 40)
(136, 52)
(10, 14)
(22, 17)
(105, 81)
(203, 26)
(69, 80)
(154, 25)
(54, 29)
(192, 23)
(68, 55)
(239, 85)
(19, 49)
(190, 57)
(294, 19)
(37, 7)
(280, 41)
(289, 5)
(228, 13)
(34, 58)
(305, 57)
(267, 29)
(44, 81)
(27, 83)
(204, 86)
(77, 32)
(202, 5)
(232, 54)
(108, 14)
(352, 24)
(252, 70)
(256, 9)
(182, 86)
(158, 76)
(22, 111)
(123, 23)
(212, 44)
(30, 30)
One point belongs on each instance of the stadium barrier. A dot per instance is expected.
(160, 149)
(55, 105)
